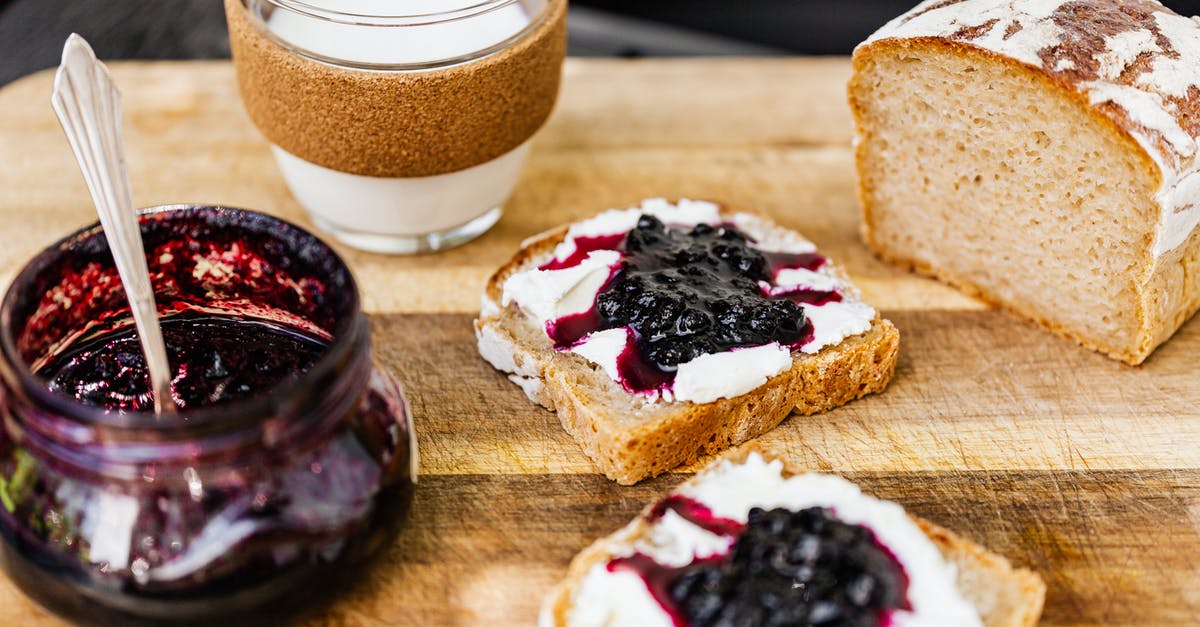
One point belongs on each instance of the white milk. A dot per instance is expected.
(406, 41)
(401, 215)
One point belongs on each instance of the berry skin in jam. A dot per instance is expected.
(786, 568)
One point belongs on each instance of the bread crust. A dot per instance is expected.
(630, 439)
(1005, 596)
(1165, 302)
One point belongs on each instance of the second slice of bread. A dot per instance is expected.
(1003, 595)
(630, 438)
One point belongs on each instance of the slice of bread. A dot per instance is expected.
(1003, 595)
(1042, 156)
(630, 438)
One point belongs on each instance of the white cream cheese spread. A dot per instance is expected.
(552, 294)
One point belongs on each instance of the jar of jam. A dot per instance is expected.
(289, 461)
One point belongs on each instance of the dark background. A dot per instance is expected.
(32, 31)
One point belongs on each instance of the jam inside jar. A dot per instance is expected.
(290, 461)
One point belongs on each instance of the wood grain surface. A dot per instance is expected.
(1081, 468)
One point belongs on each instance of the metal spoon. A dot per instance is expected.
(88, 104)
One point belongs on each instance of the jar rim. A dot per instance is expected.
(230, 416)
(400, 20)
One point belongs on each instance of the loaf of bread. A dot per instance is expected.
(1041, 154)
(658, 570)
(635, 421)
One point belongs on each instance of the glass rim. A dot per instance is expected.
(225, 418)
(305, 7)
(481, 7)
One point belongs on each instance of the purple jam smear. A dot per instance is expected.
(639, 374)
(660, 580)
(696, 513)
(685, 292)
(585, 246)
(215, 359)
(784, 568)
(636, 374)
(569, 331)
(777, 261)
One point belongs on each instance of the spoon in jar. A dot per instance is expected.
(88, 104)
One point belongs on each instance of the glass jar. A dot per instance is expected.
(400, 129)
(234, 510)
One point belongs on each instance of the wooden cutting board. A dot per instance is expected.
(1079, 467)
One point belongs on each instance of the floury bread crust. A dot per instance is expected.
(1041, 154)
(630, 438)
(1003, 595)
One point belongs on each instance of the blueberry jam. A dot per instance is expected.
(685, 292)
(286, 469)
(216, 359)
(785, 569)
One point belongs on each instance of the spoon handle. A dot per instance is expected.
(89, 106)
